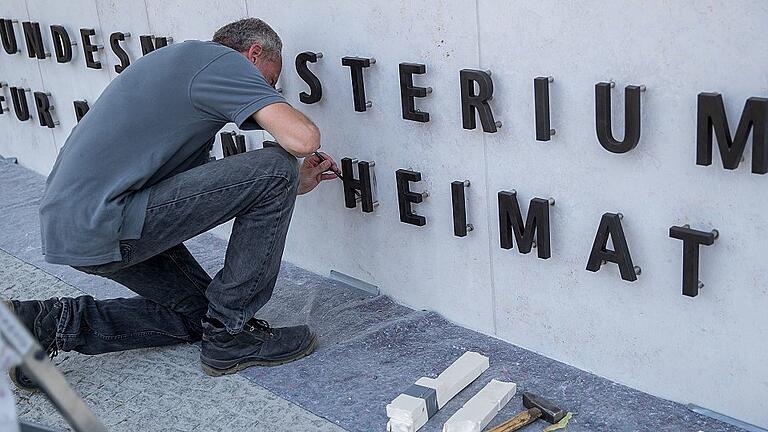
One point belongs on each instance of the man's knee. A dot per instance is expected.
(283, 164)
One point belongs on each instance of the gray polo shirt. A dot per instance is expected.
(158, 118)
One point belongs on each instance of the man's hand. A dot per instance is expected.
(313, 171)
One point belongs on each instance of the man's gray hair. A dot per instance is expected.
(240, 35)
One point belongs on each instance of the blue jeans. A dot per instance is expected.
(258, 190)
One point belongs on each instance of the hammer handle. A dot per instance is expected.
(519, 421)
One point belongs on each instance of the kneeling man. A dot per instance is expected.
(134, 181)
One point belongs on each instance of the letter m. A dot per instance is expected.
(754, 118)
(511, 224)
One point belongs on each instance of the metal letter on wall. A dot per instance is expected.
(544, 130)
(89, 48)
(610, 227)
(408, 92)
(315, 88)
(114, 42)
(44, 110)
(232, 143)
(19, 99)
(34, 39)
(2, 108)
(471, 101)
(352, 185)
(81, 108)
(631, 117)
(150, 43)
(8, 36)
(511, 224)
(459, 205)
(356, 65)
(62, 44)
(692, 239)
(711, 115)
(405, 197)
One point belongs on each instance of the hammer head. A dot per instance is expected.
(549, 411)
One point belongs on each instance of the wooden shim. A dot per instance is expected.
(475, 415)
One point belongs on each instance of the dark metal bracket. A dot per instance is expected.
(114, 43)
(302, 69)
(89, 48)
(6, 108)
(692, 239)
(710, 114)
(356, 65)
(232, 143)
(81, 108)
(361, 185)
(19, 100)
(62, 44)
(511, 224)
(544, 130)
(631, 117)
(409, 92)
(8, 36)
(150, 43)
(472, 102)
(44, 108)
(34, 40)
(406, 197)
(610, 228)
(459, 205)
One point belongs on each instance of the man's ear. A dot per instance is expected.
(254, 52)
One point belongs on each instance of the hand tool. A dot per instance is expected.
(538, 407)
(269, 143)
(337, 172)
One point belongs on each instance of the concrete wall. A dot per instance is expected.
(708, 350)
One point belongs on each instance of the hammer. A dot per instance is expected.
(538, 407)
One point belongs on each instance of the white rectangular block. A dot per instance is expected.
(475, 415)
(408, 413)
(458, 375)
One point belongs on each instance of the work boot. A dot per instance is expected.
(41, 318)
(257, 345)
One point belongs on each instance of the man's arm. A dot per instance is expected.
(292, 129)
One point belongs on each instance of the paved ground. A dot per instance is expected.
(154, 389)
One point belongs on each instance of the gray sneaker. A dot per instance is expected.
(257, 345)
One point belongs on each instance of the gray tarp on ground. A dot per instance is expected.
(370, 348)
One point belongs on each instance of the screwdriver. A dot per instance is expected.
(337, 172)
(322, 159)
